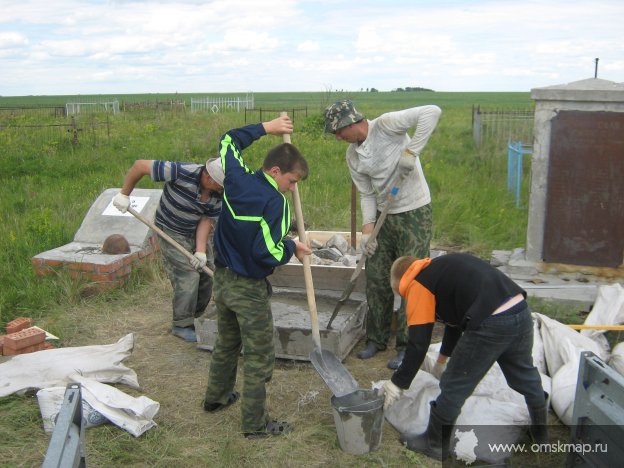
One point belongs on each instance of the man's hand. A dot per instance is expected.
(278, 126)
(407, 162)
(368, 248)
(198, 261)
(392, 393)
(121, 202)
(301, 250)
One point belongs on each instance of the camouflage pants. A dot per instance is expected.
(402, 234)
(191, 290)
(244, 320)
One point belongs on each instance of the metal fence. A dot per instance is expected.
(272, 113)
(501, 125)
(73, 108)
(76, 131)
(222, 104)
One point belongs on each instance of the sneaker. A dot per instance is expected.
(214, 407)
(186, 333)
(272, 428)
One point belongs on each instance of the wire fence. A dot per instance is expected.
(272, 113)
(85, 131)
(498, 126)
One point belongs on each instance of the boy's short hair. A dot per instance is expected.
(399, 267)
(287, 157)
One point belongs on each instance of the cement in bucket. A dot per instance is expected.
(359, 421)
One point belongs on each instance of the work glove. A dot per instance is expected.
(437, 369)
(198, 261)
(392, 393)
(407, 162)
(121, 202)
(368, 248)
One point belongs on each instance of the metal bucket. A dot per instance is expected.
(359, 421)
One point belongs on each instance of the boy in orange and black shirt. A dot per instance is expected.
(487, 320)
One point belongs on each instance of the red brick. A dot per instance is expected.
(23, 339)
(81, 266)
(109, 267)
(26, 350)
(18, 324)
(53, 263)
(1, 343)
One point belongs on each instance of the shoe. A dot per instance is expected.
(368, 352)
(214, 407)
(435, 441)
(186, 333)
(396, 361)
(272, 428)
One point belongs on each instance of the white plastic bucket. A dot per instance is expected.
(359, 421)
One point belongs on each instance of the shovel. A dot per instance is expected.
(329, 367)
(165, 236)
(382, 217)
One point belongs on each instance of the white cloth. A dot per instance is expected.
(102, 403)
(53, 367)
(373, 164)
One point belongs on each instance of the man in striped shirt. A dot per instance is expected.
(188, 211)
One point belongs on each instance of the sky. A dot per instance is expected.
(238, 46)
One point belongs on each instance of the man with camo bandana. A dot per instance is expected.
(379, 151)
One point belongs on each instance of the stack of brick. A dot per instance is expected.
(22, 338)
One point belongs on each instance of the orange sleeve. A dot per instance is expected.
(420, 307)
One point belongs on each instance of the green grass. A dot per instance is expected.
(48, 184)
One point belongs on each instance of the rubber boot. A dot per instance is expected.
(396, 361)
(435, 441)
(539, 427)
(368, 352)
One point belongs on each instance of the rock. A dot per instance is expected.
(338, 241)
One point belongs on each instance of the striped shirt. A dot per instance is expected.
(180, 206)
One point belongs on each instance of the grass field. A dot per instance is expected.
(48, 184)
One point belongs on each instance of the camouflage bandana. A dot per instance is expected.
(339, 115)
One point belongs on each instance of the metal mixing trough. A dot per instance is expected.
(291, 319)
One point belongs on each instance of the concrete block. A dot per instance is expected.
(292, 326)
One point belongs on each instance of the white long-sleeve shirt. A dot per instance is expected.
(374, 163)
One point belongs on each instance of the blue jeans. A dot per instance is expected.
(506, 338)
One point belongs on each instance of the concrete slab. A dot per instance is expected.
(84, 257)
(292, 326)
(103, 219)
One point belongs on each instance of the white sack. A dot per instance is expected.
(554, 333)
(493, 407)
(129, 413)
(564, 383)
(608, 309)
(50, 401)
(617, 358)
(52, 368)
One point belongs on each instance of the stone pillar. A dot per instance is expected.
(588, 117)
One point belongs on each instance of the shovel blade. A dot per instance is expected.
(333, 372)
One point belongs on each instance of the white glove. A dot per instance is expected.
(392, 393)
(407, 162)
(368, 248)
(121, 202)
(437, 369)
(198, 261)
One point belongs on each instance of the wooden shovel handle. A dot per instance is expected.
(596, 327)
(165, 236)
(307, 270)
